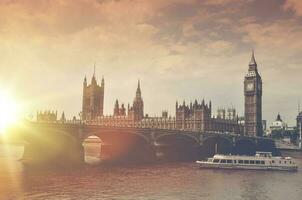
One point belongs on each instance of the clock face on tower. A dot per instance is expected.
(250, 87)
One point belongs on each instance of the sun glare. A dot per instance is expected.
(8, 111)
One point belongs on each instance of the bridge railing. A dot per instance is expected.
(134, 125)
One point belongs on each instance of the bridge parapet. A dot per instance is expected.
(137, 125)
(83, 129)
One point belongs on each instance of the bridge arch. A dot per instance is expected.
(45, 145)
(216, 144)
(123, 146)
(176, 146)
(245, 146)
(178, 136)
(104, 134)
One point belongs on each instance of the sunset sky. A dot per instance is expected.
(179, 49)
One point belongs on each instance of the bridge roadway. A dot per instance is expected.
(62, 143)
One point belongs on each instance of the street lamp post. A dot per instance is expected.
(300, 134)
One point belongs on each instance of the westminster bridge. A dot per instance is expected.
(63, 142)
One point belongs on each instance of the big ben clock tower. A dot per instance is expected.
(253, 100)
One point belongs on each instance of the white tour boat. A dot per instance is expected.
(261, 161)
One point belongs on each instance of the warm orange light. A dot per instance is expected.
(9, 110)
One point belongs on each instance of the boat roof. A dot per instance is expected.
(242, 157)
(264, 152)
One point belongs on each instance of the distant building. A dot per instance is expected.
(47, 116)
(198, 117)
(278, 124)
(299, 119)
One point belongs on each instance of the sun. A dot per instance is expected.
(9, 109)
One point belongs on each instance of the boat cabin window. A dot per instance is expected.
(252, 162)
(273, 161)
(284, 162)
(262, 162)
(235, 161)
(229, 161)
(290, 162)
(216, 161)
(280, 162)
(246, 162)
(222, 161)
(240, 161)
(264, 154)
(257, 162)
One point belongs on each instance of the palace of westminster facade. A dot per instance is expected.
(196, 116)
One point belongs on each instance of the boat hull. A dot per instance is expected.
(207, 165)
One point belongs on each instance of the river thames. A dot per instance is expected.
(167, 181)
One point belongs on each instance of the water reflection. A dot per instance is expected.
(92, 150)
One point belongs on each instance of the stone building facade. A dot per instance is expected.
(198, 117)
(195, 116)
(122, 117)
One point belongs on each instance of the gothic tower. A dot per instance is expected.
(93, 99)
(138, 104)
(253, 100)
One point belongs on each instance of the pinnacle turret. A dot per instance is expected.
(103, 82)
(85, 81)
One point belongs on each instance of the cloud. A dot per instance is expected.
(220, 2)
(275, 35)
(294, 5)
(179, 49)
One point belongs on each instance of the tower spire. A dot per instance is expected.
(138, 90)
(85, 81)
(253, 60)
(103, 81)
(93, 80)
(94, 70)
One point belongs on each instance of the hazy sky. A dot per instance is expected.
(179, 49)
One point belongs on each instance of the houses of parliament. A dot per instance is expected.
(194, 116)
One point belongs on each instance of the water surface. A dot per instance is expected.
(153, 181)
